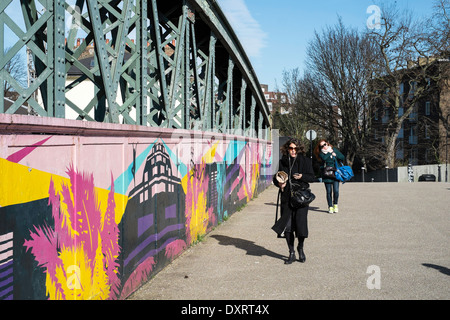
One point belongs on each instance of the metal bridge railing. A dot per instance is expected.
(172, 64)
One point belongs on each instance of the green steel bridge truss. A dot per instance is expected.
(158, 63)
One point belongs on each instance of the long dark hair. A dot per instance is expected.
(300, 147)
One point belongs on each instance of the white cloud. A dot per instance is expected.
(247, 28)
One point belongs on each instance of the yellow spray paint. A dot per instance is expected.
(22, 184)
(195, 185)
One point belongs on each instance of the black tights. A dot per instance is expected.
(290, 237)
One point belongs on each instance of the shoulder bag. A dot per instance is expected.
(301, 194)
(343, 173)
(329, 173)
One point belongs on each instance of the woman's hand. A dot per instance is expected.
(332, 152)
(297, 176)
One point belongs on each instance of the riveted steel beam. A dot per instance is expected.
(240, 126)
(228, 99)
(58, 57)
(215, 18)
(166, 63)
(158, 54)
(142, 68)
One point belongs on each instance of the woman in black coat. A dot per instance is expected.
(294, 222)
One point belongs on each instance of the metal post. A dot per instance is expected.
(446, 151)
(387, 174)
(362, 171)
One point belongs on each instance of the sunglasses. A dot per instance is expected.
(323, 145)
(290, 148)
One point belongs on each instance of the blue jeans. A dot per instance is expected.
(332, 192)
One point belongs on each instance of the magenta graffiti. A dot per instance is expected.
(84, 240)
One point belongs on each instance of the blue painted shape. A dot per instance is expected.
(122, 183)
(234, 149)
(181, 167)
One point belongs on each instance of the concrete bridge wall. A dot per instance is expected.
(92, 210)
(434, 169)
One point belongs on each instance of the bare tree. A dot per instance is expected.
(351, 76)
(406, 74)
(331, 95)
(288, 117)
(16, 67)
(434, 39)
(436, 43)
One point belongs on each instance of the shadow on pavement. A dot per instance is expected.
(249, 246)
(271, 204)
(317, 209)
(442, 269)
(311, 208)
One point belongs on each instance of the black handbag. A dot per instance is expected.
(301, 195)
(329, 172)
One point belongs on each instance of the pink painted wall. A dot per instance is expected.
(92, 210)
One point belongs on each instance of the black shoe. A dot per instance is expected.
(301, 255)
(291, 258)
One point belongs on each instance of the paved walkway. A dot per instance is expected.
(391, 237)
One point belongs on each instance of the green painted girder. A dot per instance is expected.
(173, 64)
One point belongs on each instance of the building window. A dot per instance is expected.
(414, 115)
(413, 135)
(386, 116)
(427, 156)
(412, 89)
(401, 134)
(413, 157)
(427, 108)
(400, 154)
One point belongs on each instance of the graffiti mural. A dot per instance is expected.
(95, 217)
(79, 252)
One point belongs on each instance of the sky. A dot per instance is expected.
(275, 33)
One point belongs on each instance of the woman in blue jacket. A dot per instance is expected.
(326, 153)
